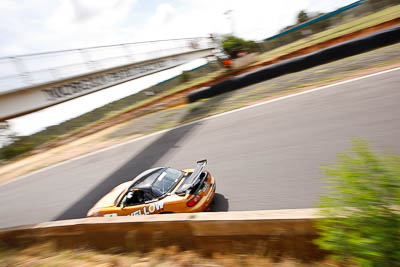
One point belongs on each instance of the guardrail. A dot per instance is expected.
(287, 233)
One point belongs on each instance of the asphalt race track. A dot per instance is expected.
(264, 157)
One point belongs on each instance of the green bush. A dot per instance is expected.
(232, 45)
(361, 220)
(14, 150)
(302, 16)
(184, 77)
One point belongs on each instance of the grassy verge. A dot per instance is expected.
(355, 25)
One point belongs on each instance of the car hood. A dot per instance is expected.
(109, 199)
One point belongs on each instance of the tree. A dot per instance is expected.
(7, 136)
(184, 77)
(232, 45)
(361, 216)
(302, 16)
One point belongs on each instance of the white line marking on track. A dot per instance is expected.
(200, 120)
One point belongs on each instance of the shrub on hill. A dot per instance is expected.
(361, 221)
(233, 45)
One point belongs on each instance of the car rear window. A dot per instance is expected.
(148, 178)
(166, 181)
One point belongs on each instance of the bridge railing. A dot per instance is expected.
(23, 71)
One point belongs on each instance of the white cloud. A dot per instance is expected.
(253, 19)
(44, 25)
(29, 26)
(88, 23)
(164, 14)
(182, 20)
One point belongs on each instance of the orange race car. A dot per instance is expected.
(159, 190)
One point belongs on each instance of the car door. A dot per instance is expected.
(151, 205)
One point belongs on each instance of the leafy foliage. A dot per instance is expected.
(232, 45)
(184, 77)
(302, 16)
(12, 151)
(361, 219)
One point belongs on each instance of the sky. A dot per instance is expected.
(33, 26)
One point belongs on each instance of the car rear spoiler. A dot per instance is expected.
(193, 178)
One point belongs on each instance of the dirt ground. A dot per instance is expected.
(47, 255)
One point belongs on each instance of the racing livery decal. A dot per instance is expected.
(150, 209)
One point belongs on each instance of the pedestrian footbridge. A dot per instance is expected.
(32, 82)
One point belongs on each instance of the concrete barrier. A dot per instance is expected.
(279, 233)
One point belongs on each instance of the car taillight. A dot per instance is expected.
(193, 201)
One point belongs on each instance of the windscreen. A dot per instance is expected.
(166, 181)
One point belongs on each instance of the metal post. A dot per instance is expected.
(128, 53)
(87, 59)
(230, 17)
(23, 73)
